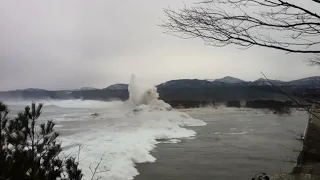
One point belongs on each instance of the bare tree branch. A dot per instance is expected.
(291, 98)
(298, 137)
(289, 159)
(315, 61)
(80, 147)
(96, 171)
(275, 24)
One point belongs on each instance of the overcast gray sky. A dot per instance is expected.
(70, 44)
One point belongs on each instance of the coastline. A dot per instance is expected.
(308, 161)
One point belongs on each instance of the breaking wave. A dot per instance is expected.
(123, 134)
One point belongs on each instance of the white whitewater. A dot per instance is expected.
(124, 133)
(139, 97)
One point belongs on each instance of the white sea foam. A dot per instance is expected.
(125, 135)
(172, 141)
(68, 103)
(231, 133)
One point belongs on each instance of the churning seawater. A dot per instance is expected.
(235, 144)
(142, 136)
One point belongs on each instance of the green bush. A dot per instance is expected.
(31, 152)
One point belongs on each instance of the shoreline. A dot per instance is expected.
(308, 161)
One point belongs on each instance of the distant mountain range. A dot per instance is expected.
(86, 88)
(118, 87)
(310, 81)
(229, 79)
(30, 89)
(227, 88)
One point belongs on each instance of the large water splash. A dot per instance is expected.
(134, 93)
(145, 97)
(126, 134)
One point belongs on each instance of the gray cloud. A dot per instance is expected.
(69, 44)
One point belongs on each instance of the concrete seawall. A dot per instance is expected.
(308, 161)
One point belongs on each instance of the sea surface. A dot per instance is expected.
(236, 144)
(151, 142)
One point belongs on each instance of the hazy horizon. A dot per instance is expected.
(73, 44)
(144, 84)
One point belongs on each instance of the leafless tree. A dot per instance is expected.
(292, 26)
(95, 171)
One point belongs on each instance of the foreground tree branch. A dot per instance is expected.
(276, 24)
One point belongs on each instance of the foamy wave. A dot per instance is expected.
(172, 141)
(231, 133)
(69, 103)
(126, 139)
(130, 141)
